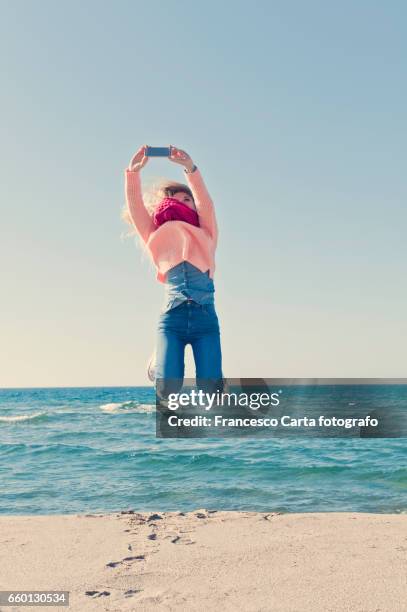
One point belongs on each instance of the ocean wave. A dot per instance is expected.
(128, 407)
(17, 418)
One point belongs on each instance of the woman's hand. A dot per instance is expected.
(138, 160)
(181, 157)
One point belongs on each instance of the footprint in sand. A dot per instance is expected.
(269, 517)
(95, 594)
(126, 560)
(154, 517)
(136, 558)
(181, 540)
(132, 592)
(201, 515)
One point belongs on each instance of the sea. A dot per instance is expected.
(91, 450)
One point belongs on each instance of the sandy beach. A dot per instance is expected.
(206, 560)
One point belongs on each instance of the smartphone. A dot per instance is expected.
(158, 151)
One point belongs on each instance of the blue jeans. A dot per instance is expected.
(194, 324)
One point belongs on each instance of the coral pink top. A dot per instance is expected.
(176, 241)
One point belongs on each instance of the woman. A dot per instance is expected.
(180, 233)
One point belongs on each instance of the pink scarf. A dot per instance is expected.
(171, 209)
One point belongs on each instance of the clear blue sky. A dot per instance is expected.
(295, 113)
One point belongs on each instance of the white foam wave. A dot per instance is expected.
(127, 407)
(15, 418)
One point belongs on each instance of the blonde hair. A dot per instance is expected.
(152, 196)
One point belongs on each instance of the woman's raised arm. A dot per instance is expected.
(202, 199)
(137, 211)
